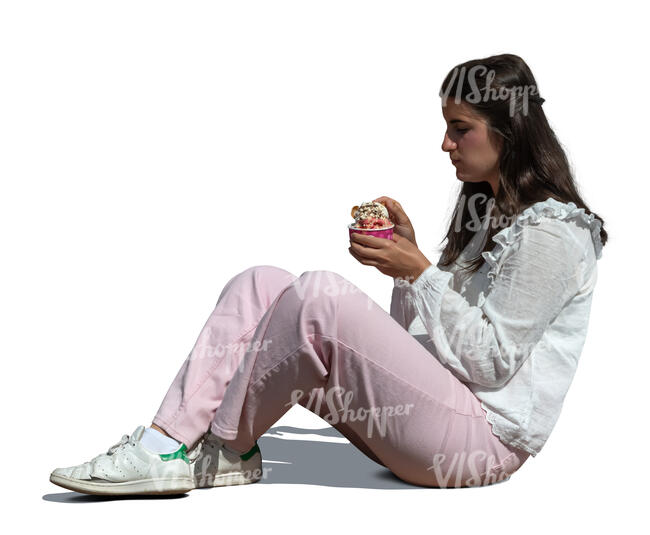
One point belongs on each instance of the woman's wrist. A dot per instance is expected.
(415, 275)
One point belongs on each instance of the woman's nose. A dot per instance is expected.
(448, 144)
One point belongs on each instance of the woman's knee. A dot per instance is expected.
(269, 275)
(265, 279)
(264, 269)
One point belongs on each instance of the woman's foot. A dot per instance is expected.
(129, 468)
(214, 465)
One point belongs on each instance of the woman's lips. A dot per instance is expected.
(455, 162)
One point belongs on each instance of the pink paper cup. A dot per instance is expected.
(377, 232)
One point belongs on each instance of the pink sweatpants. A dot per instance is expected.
(275, 339)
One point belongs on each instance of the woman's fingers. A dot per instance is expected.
(367, 240)
(394, 209)
(361, 259)
(384, 200)
(368, 247)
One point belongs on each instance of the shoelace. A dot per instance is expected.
(123, 441)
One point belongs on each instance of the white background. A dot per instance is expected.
(149, 151)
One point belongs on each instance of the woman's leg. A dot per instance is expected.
(198, 389)
(323, 334)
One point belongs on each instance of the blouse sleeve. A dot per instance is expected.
(535, 277)
(404, 315)
(398, 310)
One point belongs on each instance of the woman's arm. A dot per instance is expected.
(487, 344)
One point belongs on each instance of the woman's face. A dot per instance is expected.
(473, 151)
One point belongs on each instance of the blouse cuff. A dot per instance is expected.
(432, 278)
(400, 282)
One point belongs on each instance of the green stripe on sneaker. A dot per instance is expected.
(250, 452)
(178, 454)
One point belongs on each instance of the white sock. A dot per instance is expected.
(155, 441)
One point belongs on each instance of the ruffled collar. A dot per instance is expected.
(553, 208)
(531, 215)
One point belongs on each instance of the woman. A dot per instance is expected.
(458, 385)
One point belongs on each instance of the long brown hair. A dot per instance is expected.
(533, 166)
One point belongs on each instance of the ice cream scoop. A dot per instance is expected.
(371, 215)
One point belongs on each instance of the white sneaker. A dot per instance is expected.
(129, 468)
(215, 466)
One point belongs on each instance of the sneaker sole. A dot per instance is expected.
(144, 486)
(250, 472)
(225, 480)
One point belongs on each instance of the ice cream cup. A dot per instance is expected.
(377, 232)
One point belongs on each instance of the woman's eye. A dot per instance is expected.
(462, 130)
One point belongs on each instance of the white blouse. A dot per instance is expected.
(513, 331)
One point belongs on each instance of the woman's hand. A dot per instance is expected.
(397, 215)
(398, 257)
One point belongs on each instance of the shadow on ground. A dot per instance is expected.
(325, 463)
